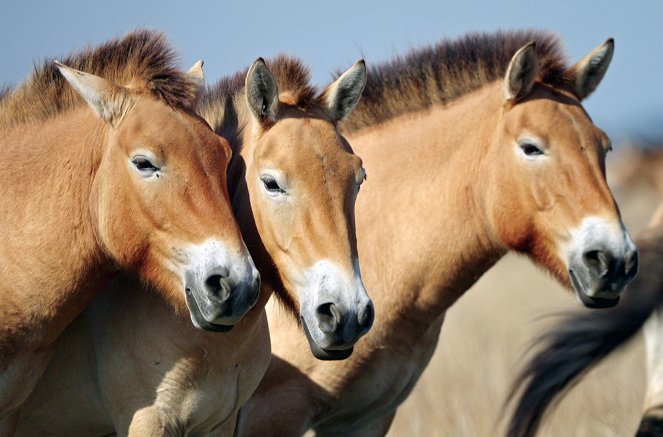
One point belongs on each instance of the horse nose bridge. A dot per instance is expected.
(331, 232)
(604, 235)
(205, 211)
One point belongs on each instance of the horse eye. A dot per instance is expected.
(530, 149)
(144, 166)
(271, 185)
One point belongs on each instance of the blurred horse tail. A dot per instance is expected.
(581, 340)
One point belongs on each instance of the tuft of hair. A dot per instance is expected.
(440, 74)
(581, 340)
(219, 104)
(5, 90)
(142, 58)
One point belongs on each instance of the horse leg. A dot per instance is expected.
(145, 422)
(652, 420)
(373, 428)
(8, 424)
(17, 381)
(288, 414)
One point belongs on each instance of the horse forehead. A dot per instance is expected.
(313, 133)
(154, 121)
(310, 141)
(556, 118)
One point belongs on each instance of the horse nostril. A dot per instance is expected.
(366, 316)
(217, 286)
(598, 261)
(329, 317)
(631, 263)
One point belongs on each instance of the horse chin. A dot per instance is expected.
(197, 317)
(589, 301)
(326, 354)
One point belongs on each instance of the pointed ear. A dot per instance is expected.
(342, 96)
(262, 92)
(197, 77)
(521, 73)
(108, 100)
(590, 70)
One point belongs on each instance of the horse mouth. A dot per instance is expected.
(326, 354)
(197, 317)
(591, 301)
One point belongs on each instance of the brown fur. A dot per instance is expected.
(449, 191)
(440, 74)
(142, 58)
(224, 107)
(218, 105)
(185, 391)
(74, 209)
(291, 74)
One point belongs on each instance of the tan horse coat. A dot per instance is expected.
(470, 151)
(79, 188)
(132, 366)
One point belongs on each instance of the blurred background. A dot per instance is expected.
(487, 331)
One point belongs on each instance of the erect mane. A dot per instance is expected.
(4, 92)
(142, 57)
(221, 103)
(444, 72)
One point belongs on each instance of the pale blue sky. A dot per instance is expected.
(331, 35)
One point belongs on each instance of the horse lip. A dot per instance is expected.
(589, 301)
(325, 354)
(197, 317)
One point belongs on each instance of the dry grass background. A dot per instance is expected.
(484, 337)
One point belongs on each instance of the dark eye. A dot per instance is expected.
(271, 185)
(144, 166)
(530, 149)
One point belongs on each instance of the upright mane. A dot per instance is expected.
(142, 58)
(222, 104)
(439, 74)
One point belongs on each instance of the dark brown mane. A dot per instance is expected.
(5, 91)
(448, 70)
(218, 105)
(143, 55)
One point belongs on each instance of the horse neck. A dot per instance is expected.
(423, 234)
(50, 262)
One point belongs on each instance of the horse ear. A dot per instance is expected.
(342, 96)
(197, 77)
(262, 92)
(589, 71)
(521, 73)
(108, 100)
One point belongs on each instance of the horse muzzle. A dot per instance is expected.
(220, 289)
(599, 276)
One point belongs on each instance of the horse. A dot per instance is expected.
(105, 166)
(473, 147)
(293, 180)
(580, 341)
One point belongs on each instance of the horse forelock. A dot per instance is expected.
(450, 69)
(293, 79)
(142, 58)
